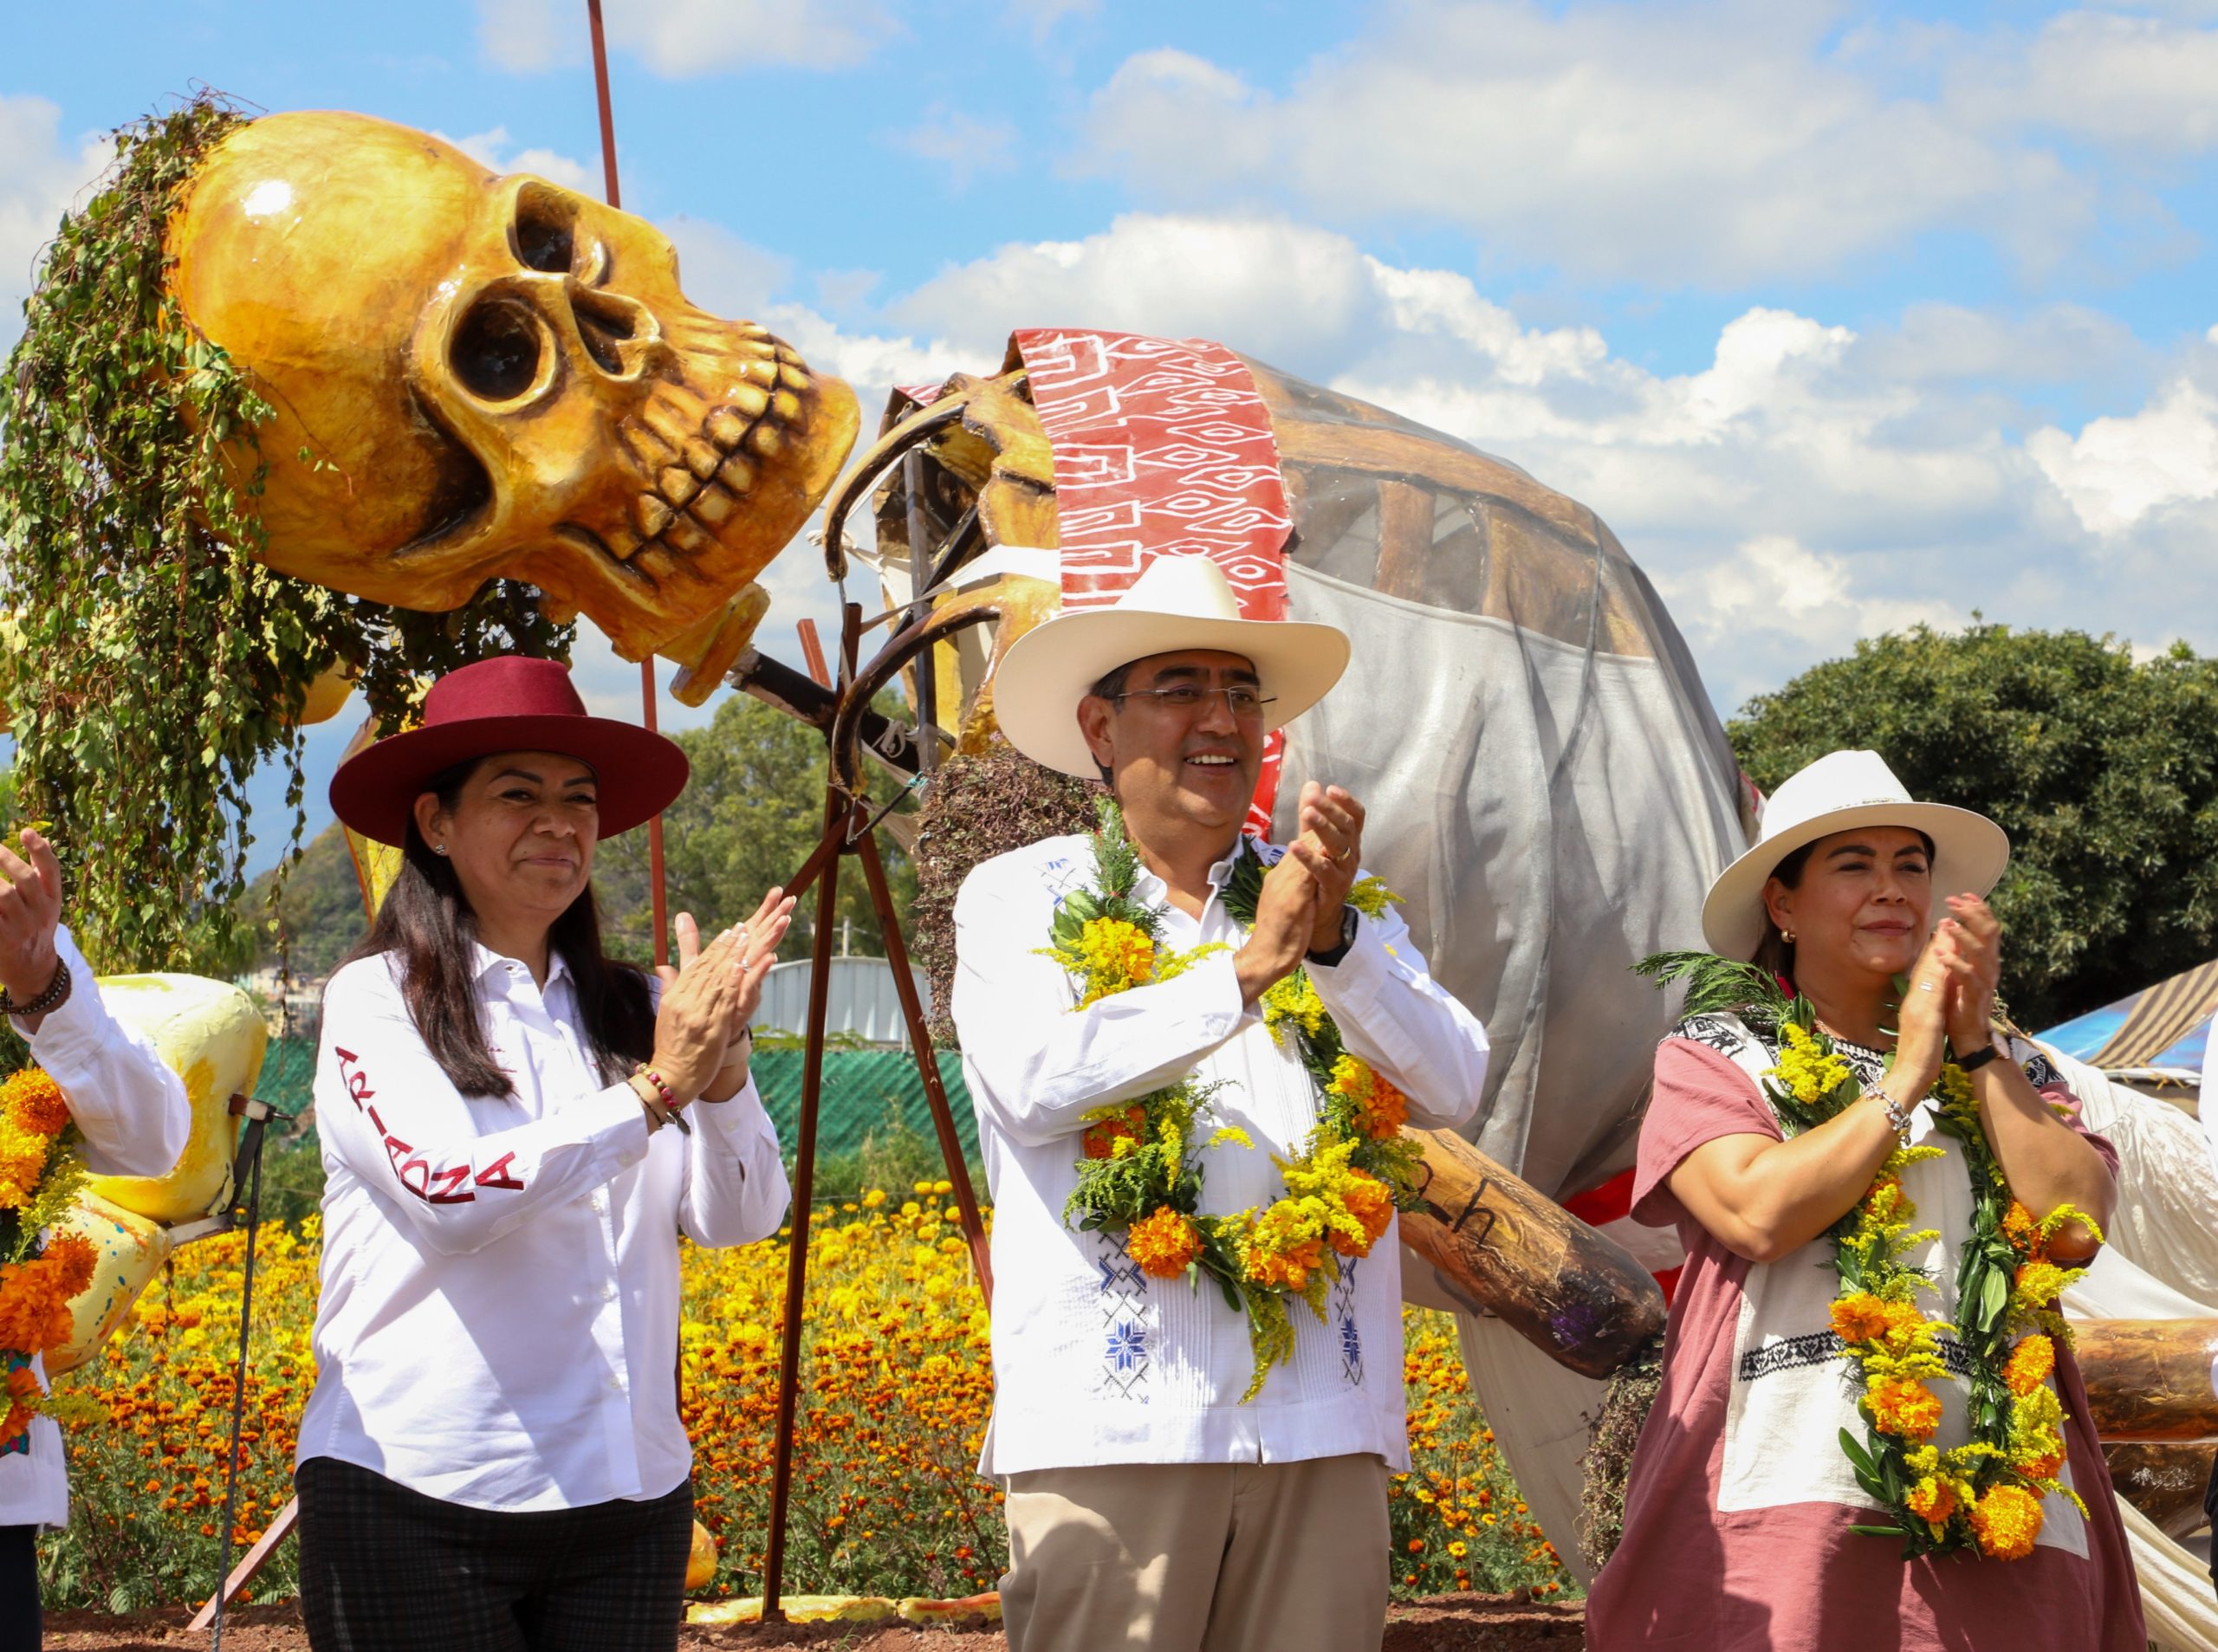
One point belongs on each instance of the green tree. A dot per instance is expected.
(319, 910)
(750, 815)
(2103, 772)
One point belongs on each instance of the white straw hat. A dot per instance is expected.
(1839, 792)
(1177, 603)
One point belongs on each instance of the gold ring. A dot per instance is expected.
(1345, 856)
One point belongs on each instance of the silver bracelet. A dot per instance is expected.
(1897, 1116)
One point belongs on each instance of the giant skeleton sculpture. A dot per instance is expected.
(494, 375)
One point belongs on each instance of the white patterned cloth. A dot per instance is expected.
(1093, 1361)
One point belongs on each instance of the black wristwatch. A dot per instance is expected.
(1332, 955)
(1976, 1060)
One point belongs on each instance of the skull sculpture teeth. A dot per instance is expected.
(494, 376)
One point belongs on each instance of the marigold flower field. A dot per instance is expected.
(896, 1392)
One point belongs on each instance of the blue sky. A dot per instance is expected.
(1844, 317)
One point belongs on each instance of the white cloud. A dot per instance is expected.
(44, 177)
(2140, 83)
(961, 145)
(497, 149)
(2118, 470)
(684, 39)
(1721, 141)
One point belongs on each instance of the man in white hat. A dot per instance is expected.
(1148, 1505)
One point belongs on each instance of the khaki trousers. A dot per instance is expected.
(1198, 1557)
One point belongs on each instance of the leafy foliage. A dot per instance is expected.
(153, 662)
(749, 817)
(2103, 772)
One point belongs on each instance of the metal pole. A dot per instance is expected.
(920, 1041)
(836, 814)
(655, 877)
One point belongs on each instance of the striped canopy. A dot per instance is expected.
(2162, 1027)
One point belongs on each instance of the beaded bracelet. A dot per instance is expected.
(1898, 1115)
(665, 1109)
(57, 991)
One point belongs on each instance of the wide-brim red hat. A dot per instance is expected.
(507, 703)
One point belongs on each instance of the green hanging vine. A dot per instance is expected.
(150, 661)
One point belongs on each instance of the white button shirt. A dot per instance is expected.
(1093, 1361)
(499, 1323)
(135, 1117)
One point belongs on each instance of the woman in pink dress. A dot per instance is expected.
(1742, 1504)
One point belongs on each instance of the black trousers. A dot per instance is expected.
(386, 1569)
(20, 1623)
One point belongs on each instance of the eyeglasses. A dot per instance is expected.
(1242, 699)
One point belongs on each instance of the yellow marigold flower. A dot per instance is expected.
(1457, 1550)
(23, 1160)
(2006, 1521)
(1115, 955)
(1164, 1245)
(35, 1102)
(2039, 1283)
(1903, 1407)
(874, 1198)
(2029, 1364)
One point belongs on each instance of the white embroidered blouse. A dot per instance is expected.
(1093, 1361)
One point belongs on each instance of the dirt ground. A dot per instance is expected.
(1442, 1623)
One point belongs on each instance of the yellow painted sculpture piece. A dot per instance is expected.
(497, 376)
(211, 1035)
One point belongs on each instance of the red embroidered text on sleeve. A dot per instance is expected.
(438, 1185)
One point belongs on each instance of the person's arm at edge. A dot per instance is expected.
(130, 1105)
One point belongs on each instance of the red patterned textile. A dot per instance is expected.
(1161, 448)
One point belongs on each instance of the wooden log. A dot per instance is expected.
(1500, 1247)
(2164, 1481)
(2149, 1379)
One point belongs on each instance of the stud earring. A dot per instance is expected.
(439, 849)
(1786, 935)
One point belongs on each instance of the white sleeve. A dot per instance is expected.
(391, 1115)
(125, 1100)
(1034, 1065)
(736, 1188)
(1391, 1013)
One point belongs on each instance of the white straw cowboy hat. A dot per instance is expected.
(1177, 603)
(1838, 793)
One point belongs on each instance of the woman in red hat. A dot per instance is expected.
(492, 1456)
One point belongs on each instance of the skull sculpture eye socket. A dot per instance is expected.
(498, 351)
(543, 238)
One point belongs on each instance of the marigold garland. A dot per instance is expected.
(1986, 1494)
(40, 1174)
(1138, 1166)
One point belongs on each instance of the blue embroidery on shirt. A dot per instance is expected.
(1351, 1339)
(1127, 1315)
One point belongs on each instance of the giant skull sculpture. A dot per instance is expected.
(494, 375)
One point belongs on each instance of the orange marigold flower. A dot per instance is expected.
(2006, 1521)
(1381, 1108)
(1370, 1202)
(1860, 1318)
(1102, 1136)
(2019, 1228)
(35, 1102)
(34, 1310)
(72, 1258)
(2029, 1364)
(1165, 1245)
(1905, 1408)
(2041, 1468)
(1291, 1268)
(1931, 1499)
(19, 1418)
(22, 1383)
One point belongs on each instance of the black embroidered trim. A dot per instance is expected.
(1821, 1347)
(1723, 1033)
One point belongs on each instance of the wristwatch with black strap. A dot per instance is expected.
(1333, 955)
